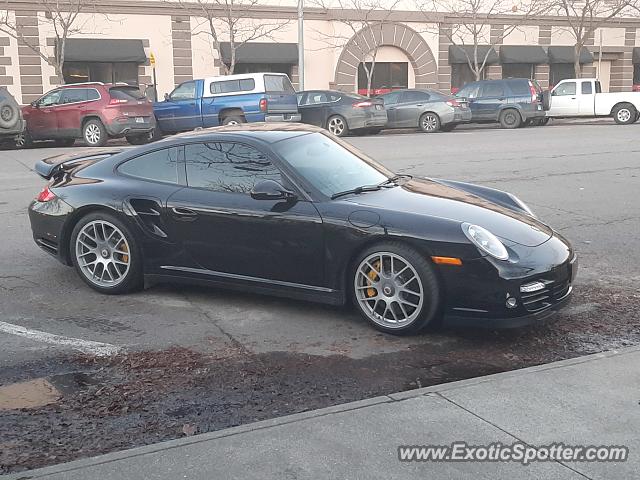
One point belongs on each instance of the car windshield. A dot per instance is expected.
(329, 166)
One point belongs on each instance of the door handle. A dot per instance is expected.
(573, 98)
(392, 108)
(184, 213)
(419, 105)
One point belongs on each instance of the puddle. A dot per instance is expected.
(72, 382)
(31, 394)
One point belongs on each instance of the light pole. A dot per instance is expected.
(300, 45)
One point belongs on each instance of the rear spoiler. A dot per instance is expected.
(49, 167)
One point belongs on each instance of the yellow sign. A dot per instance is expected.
(152, 59)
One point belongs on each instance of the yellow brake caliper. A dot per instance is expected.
(125, 258)
(373, 276)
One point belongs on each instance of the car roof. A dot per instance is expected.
(266, 132)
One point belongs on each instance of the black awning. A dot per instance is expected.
(523, 54)
(566, 54)
(261, 52)
(104, 50)
(460, 54)
(636, 55)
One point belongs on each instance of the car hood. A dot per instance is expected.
(428, 197)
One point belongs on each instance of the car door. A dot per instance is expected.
(183, 111)
(41, 117)
(490, 100)
(313, 108)
(586, 99)
(391, 106)
(70, 112)
(410, 107)
(564, 100)
(228, 233)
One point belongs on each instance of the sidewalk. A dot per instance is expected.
(592, 400)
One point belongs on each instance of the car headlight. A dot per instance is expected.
(485, 241)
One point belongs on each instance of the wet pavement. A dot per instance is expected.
(193, 360)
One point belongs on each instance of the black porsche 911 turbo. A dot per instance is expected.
(291, 210)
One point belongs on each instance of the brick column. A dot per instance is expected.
(542, 71)
(28, 59)
(4, 61)
(622, 68)
(494, 72)
(444, 69)
(181, 39)
(295, 78)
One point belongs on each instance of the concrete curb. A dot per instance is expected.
(336, 409)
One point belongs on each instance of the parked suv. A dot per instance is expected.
(11, 122)
(228, 100)
(94, 112)
(512, 101)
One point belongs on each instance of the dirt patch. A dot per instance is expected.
(145, 397)
(32, 394)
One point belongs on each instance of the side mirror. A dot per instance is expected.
(271, 190)
(34, 104)
(167, 97)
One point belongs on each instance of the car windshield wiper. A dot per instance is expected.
(395, 179)
(363, 188)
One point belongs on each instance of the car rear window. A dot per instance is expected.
(126, 93)
(278, 84)
(229, 86)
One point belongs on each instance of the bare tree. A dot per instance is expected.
(63, 18)
(467, 24)
(364, 27)
(232, 21)
(584, 17)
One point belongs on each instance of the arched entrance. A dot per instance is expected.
(393, 34)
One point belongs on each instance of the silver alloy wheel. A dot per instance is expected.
(429, 122)
(624, 114)
(233, 122)
(103, 253)
(389, 290)
(20, 140)
(92, 133)
(336, 126)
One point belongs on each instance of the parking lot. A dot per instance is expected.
(211, 359)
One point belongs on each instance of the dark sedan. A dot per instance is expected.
(342, 113)
(428, 110)
(293, 211)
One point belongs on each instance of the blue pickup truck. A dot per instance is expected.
(254, 97)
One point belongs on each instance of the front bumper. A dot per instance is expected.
(283, 117)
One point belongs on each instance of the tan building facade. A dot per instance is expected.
(118, 40)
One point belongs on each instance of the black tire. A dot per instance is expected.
(337, 125)
(624, 114)
(510, 118)
(541, 122)
(429, 122)
(9, 114)
(449, 127)
(133, 280)
(140, 139)
(23, 140)
(546, 100)
(94, 134)
(233, 120)
(65, 142)
(429, 312)
(156, 133)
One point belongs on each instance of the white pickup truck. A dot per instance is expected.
(583, 97)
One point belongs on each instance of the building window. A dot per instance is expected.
(78, 72)
(242, 68)
(461, 74)
(387, 76)
(559, 72)
(518, 70)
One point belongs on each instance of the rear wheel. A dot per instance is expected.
(510, 118)
(338, 126)
(624, 114)
(233, 120)
(94, 133)
(395, 288)
(429, 122)
(105, 254)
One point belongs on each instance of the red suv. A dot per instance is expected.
(94, 112)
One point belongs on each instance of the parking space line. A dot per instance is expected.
(85, 346)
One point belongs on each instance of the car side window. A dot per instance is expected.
(469, 91)
(391, 98)
(93, 94)
(73, 95)
(228, 167)
(51, 98)
(414, 96)
(229, 86)
(493, 90)
(314, 98)
(160, 166)
(567, 88)
(586, 88)
(184, 91)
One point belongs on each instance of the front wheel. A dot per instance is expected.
(624, 114)
(23, 140)
(105, 254)
(338, 126)
(429, 122)
(94, 133)
(395, 289)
